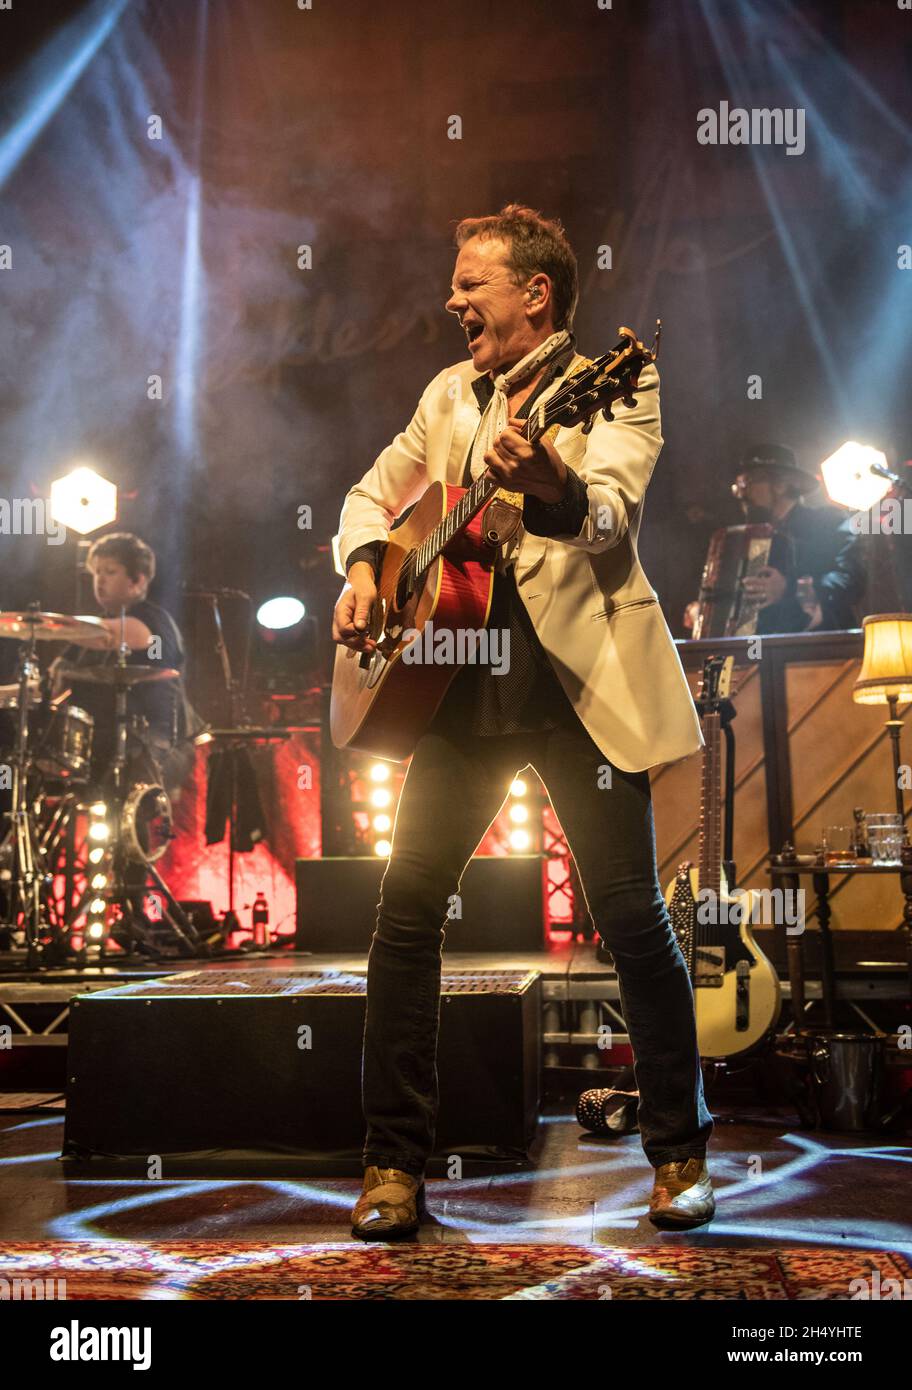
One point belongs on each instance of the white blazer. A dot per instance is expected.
(594, 610)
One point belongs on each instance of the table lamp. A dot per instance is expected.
(886, 678)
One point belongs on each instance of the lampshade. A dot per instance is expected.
(886, 668)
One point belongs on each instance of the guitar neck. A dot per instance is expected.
(475, 497)
(711, 806)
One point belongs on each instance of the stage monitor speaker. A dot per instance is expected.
(214, 1065)
(500, 905)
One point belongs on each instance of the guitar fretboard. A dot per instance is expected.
(573, 402)
(711, 806)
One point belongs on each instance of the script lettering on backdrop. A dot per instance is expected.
(648, 233)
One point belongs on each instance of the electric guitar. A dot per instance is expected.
(438, 573)
(736, 989)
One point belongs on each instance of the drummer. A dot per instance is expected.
(122, 568)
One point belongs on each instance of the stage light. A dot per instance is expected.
(99, 881)
(95, 930)
(382, 849)
(518, 814)
(97, 907)
(83, 501)
(517, 787)
(277, 614)
(50, 76)
(285, 657)
(381, 797)
(519, 839)
(382, 823)
(98, 831)
(379, 772)
(848, 478)
(96, 855)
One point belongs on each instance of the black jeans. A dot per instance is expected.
(455, 785)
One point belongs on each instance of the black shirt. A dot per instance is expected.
(815, 541)
(157, 702)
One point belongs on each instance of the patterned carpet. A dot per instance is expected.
(230, 1270)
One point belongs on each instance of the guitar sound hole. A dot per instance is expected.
(407, 585)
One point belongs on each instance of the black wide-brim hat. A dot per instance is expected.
(780, 458)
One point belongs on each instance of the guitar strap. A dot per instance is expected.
(503, 515)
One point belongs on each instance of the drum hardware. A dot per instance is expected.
(9, 695)
(135, 813)
(65, 750)
(26, 881)
(125, 676)
(42, 830)
(145, 824)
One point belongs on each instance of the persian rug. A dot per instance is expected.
(112, 1269)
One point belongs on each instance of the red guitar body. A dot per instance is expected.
(380, 703)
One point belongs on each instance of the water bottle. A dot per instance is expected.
(260, 919)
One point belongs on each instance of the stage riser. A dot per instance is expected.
(181, 1075)
(501, 904)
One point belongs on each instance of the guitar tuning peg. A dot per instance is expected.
(629, 401)
(607, 413)
(587, 427)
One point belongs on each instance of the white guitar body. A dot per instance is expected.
(736, 989)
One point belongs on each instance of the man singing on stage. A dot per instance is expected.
(594, 695)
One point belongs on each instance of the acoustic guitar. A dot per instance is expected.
(736, 989)
(436, 581)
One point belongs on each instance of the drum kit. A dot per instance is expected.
(76, 862)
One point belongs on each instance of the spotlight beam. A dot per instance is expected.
(50, 77)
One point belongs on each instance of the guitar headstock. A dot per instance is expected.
(610, 378)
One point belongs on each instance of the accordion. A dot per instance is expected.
(735, 552)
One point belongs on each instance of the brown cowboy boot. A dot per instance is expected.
(682, 1194)
(391, 1205)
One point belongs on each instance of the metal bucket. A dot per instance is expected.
(845, 1078)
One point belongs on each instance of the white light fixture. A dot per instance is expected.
(848, 478)
(83, 501)
(280, 613)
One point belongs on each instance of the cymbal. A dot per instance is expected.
(55, 627)
(118, 675)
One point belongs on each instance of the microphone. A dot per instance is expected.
(214, 593)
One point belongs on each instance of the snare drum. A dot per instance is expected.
(65, 744)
